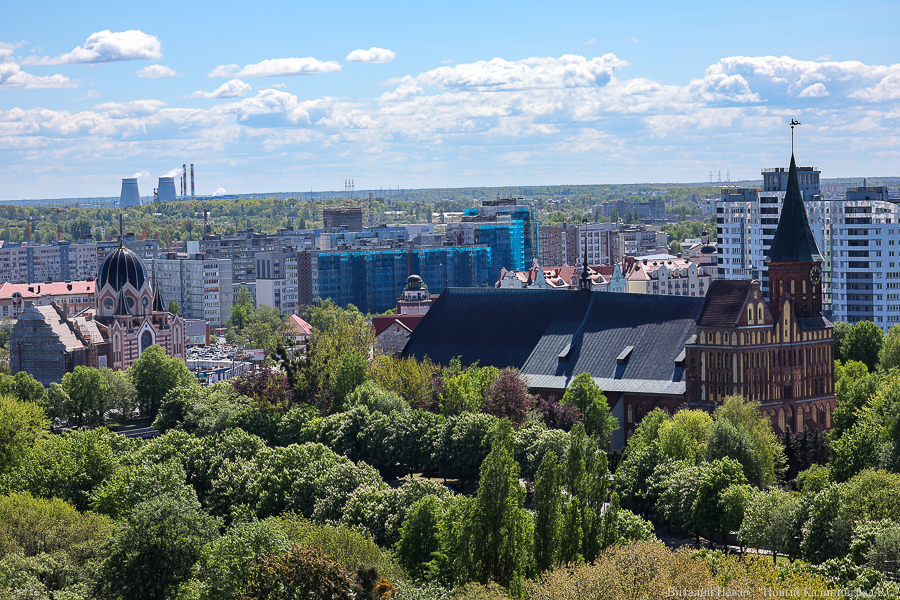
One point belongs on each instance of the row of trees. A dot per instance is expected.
(93, 396)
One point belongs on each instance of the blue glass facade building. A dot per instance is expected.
(373, 279)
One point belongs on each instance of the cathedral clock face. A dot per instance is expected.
(815, 275)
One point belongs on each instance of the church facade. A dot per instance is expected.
(778, 351)
(129, 316)
(133, 312)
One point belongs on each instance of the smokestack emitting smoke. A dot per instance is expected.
(184, 178)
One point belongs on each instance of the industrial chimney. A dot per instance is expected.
(166, 190)
(192, 180)
(130, 195)
(184, 179)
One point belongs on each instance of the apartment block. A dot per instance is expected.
(559, 245)
(276, 281)
(203, 287)
(746, 220)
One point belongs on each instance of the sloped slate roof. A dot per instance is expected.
(724, 302)
(793, 241)
(553, 335)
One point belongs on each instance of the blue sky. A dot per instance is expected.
(298, 96)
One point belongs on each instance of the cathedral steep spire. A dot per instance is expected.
(794, 240)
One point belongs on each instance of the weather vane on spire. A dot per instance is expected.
(793, 122)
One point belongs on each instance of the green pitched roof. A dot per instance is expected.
(793, 241)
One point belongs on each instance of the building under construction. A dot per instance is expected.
(349, 218)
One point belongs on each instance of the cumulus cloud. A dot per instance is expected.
(545, 118)
(230, 89)
(89, 95)
(12, 76)
(106, 46)
(278, 67)
(156, 72)
(372, 55)
(136, 108)
(219, 192)
(568, 71)
(274, 108)
(816, 90)
(224, 70)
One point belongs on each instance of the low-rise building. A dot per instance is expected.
(666, 275)
(72, 296)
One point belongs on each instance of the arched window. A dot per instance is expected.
(727, 365)
(146, 340)
(630, 415)
(760, 315)
(640, 413)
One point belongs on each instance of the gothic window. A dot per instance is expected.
(759, 313)
(750, 315)
(640, 413)
(146, 340)
(726, 361)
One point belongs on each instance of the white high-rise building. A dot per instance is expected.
(746, 220)
(866, 249)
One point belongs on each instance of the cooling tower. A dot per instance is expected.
(130, 194)
(166, 190)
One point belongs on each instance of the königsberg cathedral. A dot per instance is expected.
(778, 351)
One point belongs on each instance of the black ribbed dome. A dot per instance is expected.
(121, 267)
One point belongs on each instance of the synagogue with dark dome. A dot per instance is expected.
(129, 317)
(133, 312)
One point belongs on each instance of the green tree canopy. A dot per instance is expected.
(87, 391)
(154, 374)
(863, 343)
(21, 425)
(587, 397)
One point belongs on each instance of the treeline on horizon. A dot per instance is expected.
(183, 220)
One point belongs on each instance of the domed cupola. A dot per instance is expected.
(123, 273)
(121, 267)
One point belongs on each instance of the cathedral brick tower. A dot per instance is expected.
(778, 352)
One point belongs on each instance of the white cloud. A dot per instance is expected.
(447, 61)
(372, 55)
(106, 46)
(590, 41)
(89, 95)
(156, 72)
(219, 192)
(274, 108)
(224, 70)
(12, 76)
(136, 108)
(278, 67)
(567, 71)
(633, 40)
(816, 90)
(569, 118)
(230, 89)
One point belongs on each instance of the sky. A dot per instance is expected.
(291, 96)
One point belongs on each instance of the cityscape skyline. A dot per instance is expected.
(470, 96)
